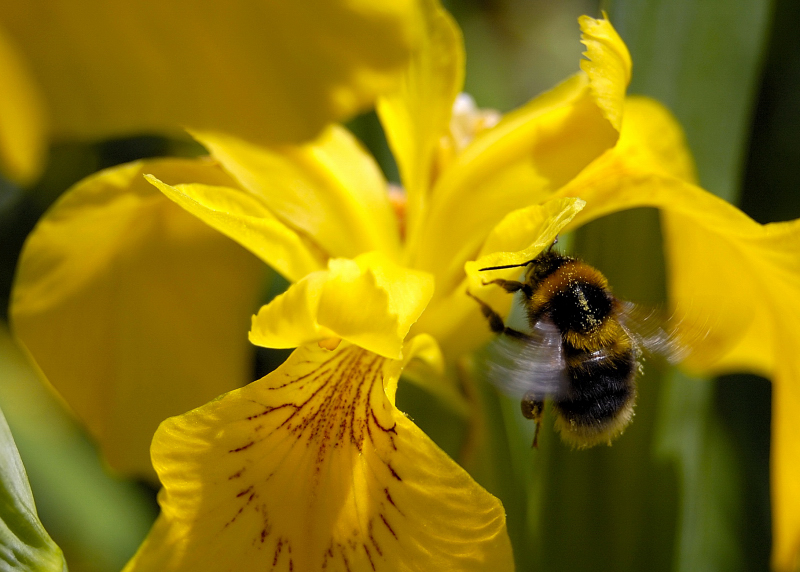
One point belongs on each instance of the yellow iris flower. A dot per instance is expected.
(313, 466)
(97, 69)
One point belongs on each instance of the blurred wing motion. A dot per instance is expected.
(653, 335)
(520, 366)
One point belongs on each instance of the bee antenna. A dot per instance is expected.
(555, 241)
(507, 266)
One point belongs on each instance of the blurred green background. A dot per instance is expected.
(687, 486)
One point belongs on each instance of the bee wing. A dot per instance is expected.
(531, 366)
(651, 332)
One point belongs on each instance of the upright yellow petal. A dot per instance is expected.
(417, 117)
(524, 159)
(313, 468)
(269, 71)
(520, 162)
(331, 189)
(369, 301)
(608, 66)
(132, 308)
(23, 123)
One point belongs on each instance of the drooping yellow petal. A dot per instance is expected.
(331, 189)
(369, 301)
(313, 468)
(417, 117)
(268, 71)
(244, 218)
(132, 308)
(23, 124)
(608, 66)
(728, 274)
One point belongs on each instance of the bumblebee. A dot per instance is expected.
(583, 351)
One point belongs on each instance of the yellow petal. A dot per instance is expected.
(608, 66)
(331, 190)
(369, 301)
(531, 153)
(133, 309)
(23, 125)
(290, 319)
(517, 239)
(528, 155)
(785, 455)
(244, 218)
(313, 468)
(416, 117)
(655, 138)
(455, 320)
(267, 71)
(524, 233)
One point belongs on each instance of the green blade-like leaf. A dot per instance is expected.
(24, 543)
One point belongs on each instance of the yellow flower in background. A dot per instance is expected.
(133, 309)
(262, 70)
(313, 465)
(22, 121)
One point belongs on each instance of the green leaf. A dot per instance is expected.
(691, 435)
(24, 543)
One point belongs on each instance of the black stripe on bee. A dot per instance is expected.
(601, 384)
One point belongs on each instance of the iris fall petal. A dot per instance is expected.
(312, 468)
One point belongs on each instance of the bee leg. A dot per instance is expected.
(511, 286)
(533, 408)
(496, 320)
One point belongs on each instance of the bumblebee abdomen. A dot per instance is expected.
(598, 404)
